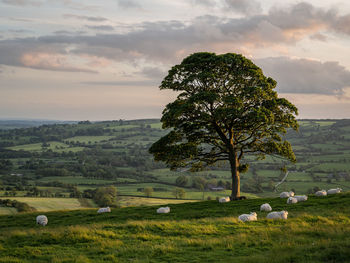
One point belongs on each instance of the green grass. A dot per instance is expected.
(54, 146)
(50, 204)
(121, 127)
(156, 125)
(7, 210)
(316, 231)
(144, 201)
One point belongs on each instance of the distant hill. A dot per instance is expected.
(17, 124)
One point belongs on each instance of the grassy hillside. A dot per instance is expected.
(317, 230)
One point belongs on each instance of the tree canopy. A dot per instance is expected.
(226, 108)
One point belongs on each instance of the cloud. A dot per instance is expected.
(53, 62)
(100, 27)
(126, 83)
(207, 3)
(306, 76)
(169, 41)
(87, 18)
(72, 33)
(247, 7)
(128, 4)
(74, 5)
(153, 72)
(342, 25)
(22, 2)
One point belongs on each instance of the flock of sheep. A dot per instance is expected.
(292, 199)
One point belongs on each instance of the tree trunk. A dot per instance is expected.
(236, 184)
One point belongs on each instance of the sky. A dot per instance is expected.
(105, 59)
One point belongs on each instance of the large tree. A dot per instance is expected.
(225, 108)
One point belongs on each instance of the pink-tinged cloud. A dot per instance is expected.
(47, 61)
(169, 41)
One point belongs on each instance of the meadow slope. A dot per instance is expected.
(316, 231)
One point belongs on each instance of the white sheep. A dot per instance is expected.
(104, 210)
(248, 217)
(292, 200)
(224, 199)
(277, 215)
(301, 198)
(42, 220)
(265, 207)
(163, 210)
(321, 193)
(286, 194)
(334, 191)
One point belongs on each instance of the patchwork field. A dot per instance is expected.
(50, 204)
(72, 159)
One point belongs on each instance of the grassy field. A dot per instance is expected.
(50, 204)
(7, 210)
(316, 231)
(53, 146)
(125, 201)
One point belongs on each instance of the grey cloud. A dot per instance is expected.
(20, 31)
(22, 2)
(168, 41)
(75, 5)
(12, 52)
(87, 18)
(301, 15)
(319, 36)
(71, 33)
(208, 3)
(126, 83)
(153, 73)
(306, 76)
(20, 19)
(128, 4)
(342, 25)
(247, 7)
(100, 27)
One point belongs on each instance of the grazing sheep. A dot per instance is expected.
(163, 210)
(301, 198)
(321, 193)
(104, 210)
(286, 194)
(277, 215)
(248, 217)
(42, 220)
(334, 191)
(292, 200)
(224, 199)
(265, 207)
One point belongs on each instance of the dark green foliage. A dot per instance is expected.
(148, 191)
(105, 196)
(226, 108)
(179, 193)
(182, 180)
